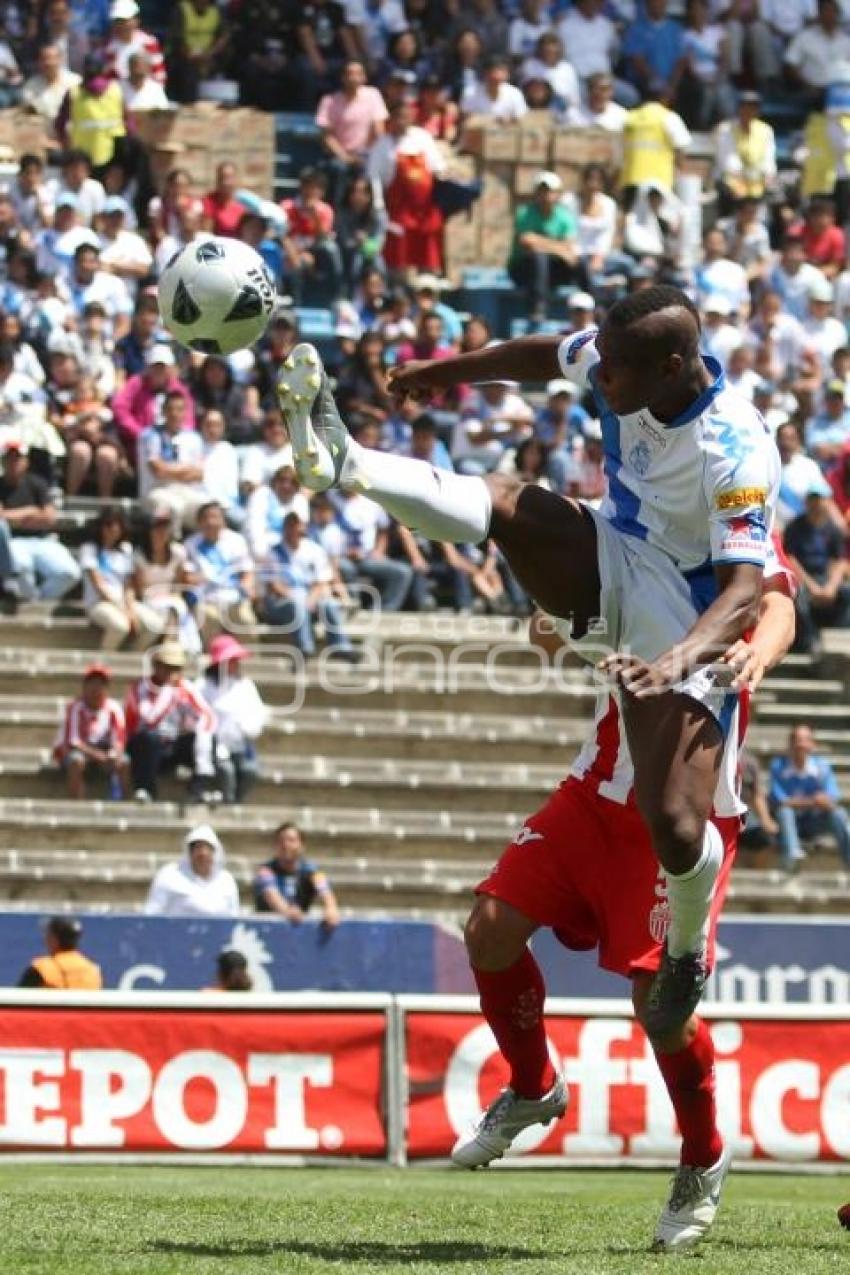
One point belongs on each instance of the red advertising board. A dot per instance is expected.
(783, 1088)
(153, 1080)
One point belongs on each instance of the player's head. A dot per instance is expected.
(646, 344)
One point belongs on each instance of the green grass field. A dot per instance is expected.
(81, 1220)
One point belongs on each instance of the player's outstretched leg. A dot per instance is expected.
(686, 1061)
(512, 993)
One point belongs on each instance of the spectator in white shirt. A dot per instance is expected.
(56, 244)
(298, 580)
(815, 52)
(240, 716)
(109, 598)
(123, 252)
(171, 463)
(793, 277)
(140, 90)
(268, 507)
(600, 110)
(783, 349)
(720, 338)
(550, 64)
(88, 283)
(824, 332)
(29, 194)
(365, 527)
(45, 91)
(494, 97)
(75, 178)
(221, 466)
(262, 460)
(535, 18)
(798, 476)
(224, 573)
(196, 885)
(597, 220)
(589, 38)
(719, 274)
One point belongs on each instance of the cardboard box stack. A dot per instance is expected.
(507, 158)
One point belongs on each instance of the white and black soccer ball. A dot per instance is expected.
(216, 295)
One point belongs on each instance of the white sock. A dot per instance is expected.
(440, 504)
(689, 897)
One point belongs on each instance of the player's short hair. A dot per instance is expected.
(673, 338)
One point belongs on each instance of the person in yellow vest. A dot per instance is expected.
(63, 967)
(745, 152)
(91, 117)
(654, 138)
(838, 132)
(818, 173)
(199, 38)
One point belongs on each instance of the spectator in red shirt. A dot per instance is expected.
(93, 737)
(839, 481)
(312, 253)
(823, 241)
(222, 210)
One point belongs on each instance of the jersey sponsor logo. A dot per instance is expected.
(656, 435)
(578, 343)
(640, 457)
(525, 835)
(745, 529)
(742, 497)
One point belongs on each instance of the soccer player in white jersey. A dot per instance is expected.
(658, 582)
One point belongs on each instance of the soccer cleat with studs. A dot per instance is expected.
(504, 1119)
(318, 436)
(675, 992)
(691, 1206)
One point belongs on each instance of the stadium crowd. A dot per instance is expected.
(96, 400)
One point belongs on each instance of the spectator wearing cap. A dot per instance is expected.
(222, 211)
(814, 52)
(581, 311)
(361, 229)
(89, 283)
(828, 433)
(824, 332)
(141, 91)
(599, 110)
(91, 118)
(171, 463)
(169, 723)
(559, 426)
(45, 90)
(198, 45)
(224, 582)
(434, 112)
(109, 598)
(197, 884)
(310, 249)
(816, 550)
(404, 165)
(92, 740)
(494, 97)
(241, 716)
(297, 579)
(426, 291)
(138, 404)
(63, 968)
(805, 799)
(745, 152)
(44, 567)
(126, 38)
(288, 884)
(352, 118)
(545, 244)
(161, 577)
(123, 252)
(720, 338)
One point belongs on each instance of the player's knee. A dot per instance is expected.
(677, 830)
(489, 940)
(504, 493)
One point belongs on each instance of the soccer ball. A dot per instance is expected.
(216, 295)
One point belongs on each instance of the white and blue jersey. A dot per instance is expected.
(701, 488)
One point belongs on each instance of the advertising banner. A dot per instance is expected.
(783, 1088)
(156, 1080)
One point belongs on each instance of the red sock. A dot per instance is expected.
(689, 1077)
(512, 1002)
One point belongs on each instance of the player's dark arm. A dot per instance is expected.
(529, 358)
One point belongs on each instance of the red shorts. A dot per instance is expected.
(585, 866)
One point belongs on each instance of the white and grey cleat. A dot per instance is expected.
(504, 1119)
(319, 438)
(691, 1206)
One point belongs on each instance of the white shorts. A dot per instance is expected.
(646, 606)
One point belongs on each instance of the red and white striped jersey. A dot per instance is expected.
(117, 56)
(97, 727)
(169, 710)
(605, 762)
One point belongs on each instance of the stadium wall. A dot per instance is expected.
(766, 961)
(391, 1079)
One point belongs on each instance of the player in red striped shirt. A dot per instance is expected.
(584, 865)
(93, 737)
(169, 723)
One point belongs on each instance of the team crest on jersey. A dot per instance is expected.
(640, 457)
(659, 921)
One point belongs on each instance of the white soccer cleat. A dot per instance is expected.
(319, 438)
(506, 1117)
(691, 1206)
